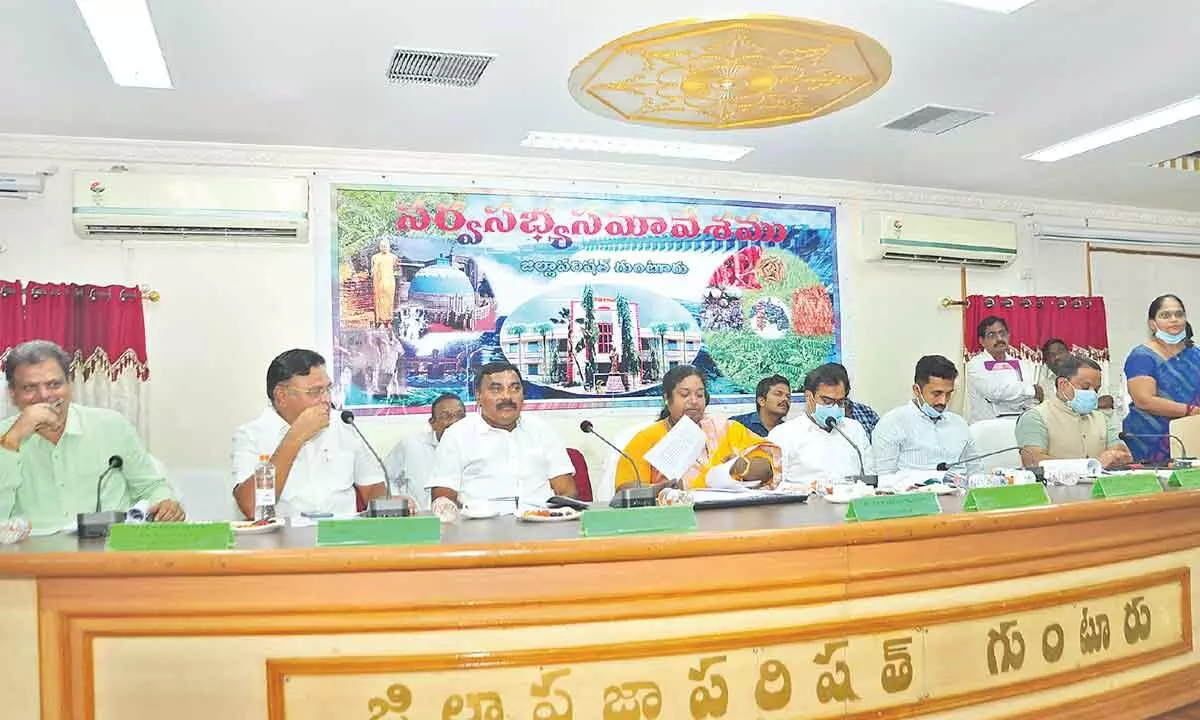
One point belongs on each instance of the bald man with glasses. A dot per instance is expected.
(317, 461)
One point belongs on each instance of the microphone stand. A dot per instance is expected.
(637, 496)
(97, 524)
(863, 477)
(386, 506)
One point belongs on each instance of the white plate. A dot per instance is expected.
(471, 514)
(247, 527)
(935, 488)
(556, 515)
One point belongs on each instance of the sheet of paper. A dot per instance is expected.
(679, 448)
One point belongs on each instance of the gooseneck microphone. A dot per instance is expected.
(386, 506)
(872, 480)
(116, 462)
(942, 467)
(96, 524)
(637, 496)
(1124, 436)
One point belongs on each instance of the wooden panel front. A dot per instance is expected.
(322, 633)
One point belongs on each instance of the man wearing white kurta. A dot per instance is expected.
(410, 464)
(814, 454)
(499, 453)
(999, 383)
(318, 459)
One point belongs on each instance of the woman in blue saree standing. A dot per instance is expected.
(1164, 381)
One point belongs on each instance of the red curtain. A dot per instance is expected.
(112, 330)
(52, 313)
(101, 326)
(1080, 322)
(12, 319)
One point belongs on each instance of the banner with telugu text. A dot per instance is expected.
(594, 297)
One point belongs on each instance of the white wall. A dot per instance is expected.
(227, 309)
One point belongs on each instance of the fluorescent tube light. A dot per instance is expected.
(124, 35)
(1161, 238)
(634, 146)
(1160, 118)
(1000, 6)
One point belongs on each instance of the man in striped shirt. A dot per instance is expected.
(922, 433)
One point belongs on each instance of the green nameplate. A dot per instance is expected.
(637, 521)
(1188, 479)
(171, 536)
(1112, 486)
(418, 530)
(886, 507)
(1006, 497)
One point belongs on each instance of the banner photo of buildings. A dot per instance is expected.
(592, 297)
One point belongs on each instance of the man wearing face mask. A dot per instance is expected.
(813, 452)
(1067, 424)
(922, 432)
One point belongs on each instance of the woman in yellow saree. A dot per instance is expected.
(754, 459)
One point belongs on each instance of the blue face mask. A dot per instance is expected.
(1170, 339)
(821, 413)
(930, 411)
(1084, 402)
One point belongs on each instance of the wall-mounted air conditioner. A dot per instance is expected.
(20, 184)
(932, 239)
(136, 206)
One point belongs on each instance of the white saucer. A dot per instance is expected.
(247, 527)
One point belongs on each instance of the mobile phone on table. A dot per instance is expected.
(314, 515)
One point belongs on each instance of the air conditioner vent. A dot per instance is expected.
(935, 119)
(435, 67)
(927, 259)
(176, 231)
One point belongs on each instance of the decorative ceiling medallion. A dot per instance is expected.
(747, 72)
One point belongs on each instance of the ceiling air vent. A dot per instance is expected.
(434, 67)
(935, 119)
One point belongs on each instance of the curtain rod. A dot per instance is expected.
(148, 294)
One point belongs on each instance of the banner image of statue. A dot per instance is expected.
(593, 297)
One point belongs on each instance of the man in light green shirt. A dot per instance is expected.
(53, 453)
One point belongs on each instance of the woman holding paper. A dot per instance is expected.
(686, 398)
(1164, 381)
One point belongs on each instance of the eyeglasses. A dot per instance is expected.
(996, 334)
(831, 402)
(314, 392)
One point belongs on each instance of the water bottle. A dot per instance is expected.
(264, 489)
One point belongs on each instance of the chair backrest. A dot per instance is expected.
(996, 434)
(1187, 429)
(606, 483)
(583, 481)
(205, 494)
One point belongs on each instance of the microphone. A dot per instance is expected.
(942, 467)
(872, 480)
(637, 496)
(386, 506)
(96, 524)
(1124, 436)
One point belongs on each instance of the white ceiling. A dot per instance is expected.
(311, 73)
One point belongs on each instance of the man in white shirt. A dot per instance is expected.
(498, 453)
(410, 463)
(814, 453)
(998, 383)
(922, 433)
(317, 463)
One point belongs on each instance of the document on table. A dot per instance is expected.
(679, 448)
